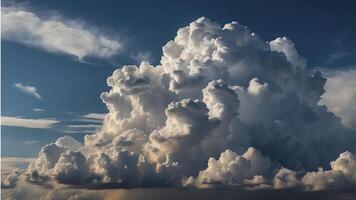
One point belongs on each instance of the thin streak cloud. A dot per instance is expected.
(27, 122)
(38, 110)
(94, 116)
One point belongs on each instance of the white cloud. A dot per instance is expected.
(82, 128)
(31, 90)
(218, 90)
(98, 116)
(31, 142)
(27, 122)
(55, 34)
(89, 131)
(38, 110)
(250, 169)
(285, 178)
(342, 173)
(233, 169)
(287, 47)
(340, 96)
(68, 143)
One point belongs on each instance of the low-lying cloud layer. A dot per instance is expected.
(224, 108)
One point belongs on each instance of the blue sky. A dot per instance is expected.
(70, 86)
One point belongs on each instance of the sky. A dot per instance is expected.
(322, 30)
(202, 94)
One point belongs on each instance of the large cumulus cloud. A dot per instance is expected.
(222, 108)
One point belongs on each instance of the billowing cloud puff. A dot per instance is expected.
(232, 169)
(340, 96)
(287, 47)
(68, 143)
(342, 173)
(285, 178)
(222, 108)
(254, 171)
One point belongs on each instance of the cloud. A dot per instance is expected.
(55, 34)
(10, 180)
(98, 116)
(285, 178)
(232, 169)
(82, 128)
(11, 163)
(38, 110)
(340, 96)
(342, 173)
(31, 142)
(250, 170)
(223, 108)
(287, 47)
(27, 122)
(11, 168)
(31, 90)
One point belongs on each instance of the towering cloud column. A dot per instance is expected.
(222, 108)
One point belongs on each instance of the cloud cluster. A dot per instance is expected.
(233, 169)
(342, 173)
(222, 108)
(55, 34)
(254, 171)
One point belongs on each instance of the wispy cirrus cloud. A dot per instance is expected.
(31, 90)
(28, 122)
(55, 34)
